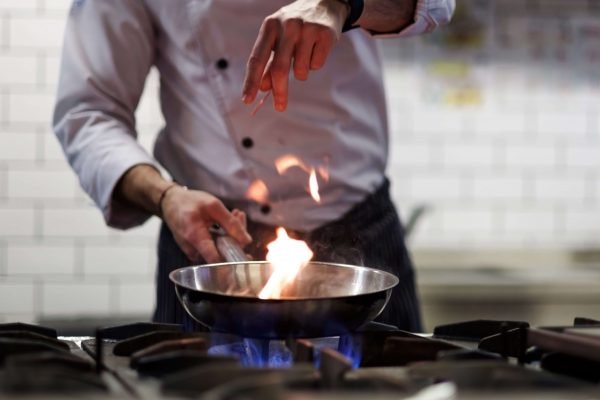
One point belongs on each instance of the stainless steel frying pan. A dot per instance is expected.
(325, 299)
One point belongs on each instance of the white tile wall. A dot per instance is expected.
(509, 187)
(18, 146)
(73, 221)
(18, 69)
(16, 5)
(136, 297)
(41, 259)
(30, 106)
(16, 221)
(118, 260)
(46, 184)
(77, 298)
(36, 32)
(520, 169)
(16, 298)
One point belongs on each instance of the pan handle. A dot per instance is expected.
(227, 246)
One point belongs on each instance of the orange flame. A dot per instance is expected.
(313, 186)
(287, 256)
(288, 161)
(258, 191)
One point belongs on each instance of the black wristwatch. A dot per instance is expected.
(356, 9)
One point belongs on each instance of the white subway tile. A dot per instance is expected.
(11, 5)
(18, 70)
(538, 220)
(18, 146)
(52, 149)
(433, 187)
(583, 221)
(148, 111)
(498, 187)
(531, 155)
(16, 221)
(463, 220)
(51, 70)
(3, 183)
(74, 222)
(16, 297)
(40, 259)
(76, 299)
(118, 260)
(411, 154)
(42, 184)
(27, 318)
(137, 298)
(498, 122)
(562, 124)
(567, 188)
(579, 155)
(468, 155)
(30, 107)
(36, 31)
(438, 121)
(147, 141)
(58, 5)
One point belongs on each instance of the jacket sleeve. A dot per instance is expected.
(429, 14)
(107, 54)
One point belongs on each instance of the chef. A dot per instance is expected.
(315, 66)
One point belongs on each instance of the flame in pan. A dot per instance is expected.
(287, 256)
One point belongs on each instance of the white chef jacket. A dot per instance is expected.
(336, 120)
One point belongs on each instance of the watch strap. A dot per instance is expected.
(356, 9)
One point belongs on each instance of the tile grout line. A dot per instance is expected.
(5, 34)
(79, 269)
(4, 107)
(113, 290)
(3, 181)
(38, 295)
(3, 258)
(39, 147)
(41, 61)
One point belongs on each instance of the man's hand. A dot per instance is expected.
(301, 34)
(190, 213)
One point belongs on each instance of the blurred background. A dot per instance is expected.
(495, 165)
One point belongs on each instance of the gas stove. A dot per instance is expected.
(472, 359)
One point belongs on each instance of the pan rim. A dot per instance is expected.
(394, 283)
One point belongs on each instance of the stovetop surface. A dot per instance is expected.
(475, 359)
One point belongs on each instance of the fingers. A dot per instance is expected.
(321, 51)
(282, 62)
(241, 216)
(204, 244)
(232, 225)
(261, 52)
(298, 39)
(302, 58)
(265, 83)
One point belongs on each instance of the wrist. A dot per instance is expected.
(165, 196)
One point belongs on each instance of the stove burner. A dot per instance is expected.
(476, 330)
(33, 360)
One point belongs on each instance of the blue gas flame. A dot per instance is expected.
(256, 353)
